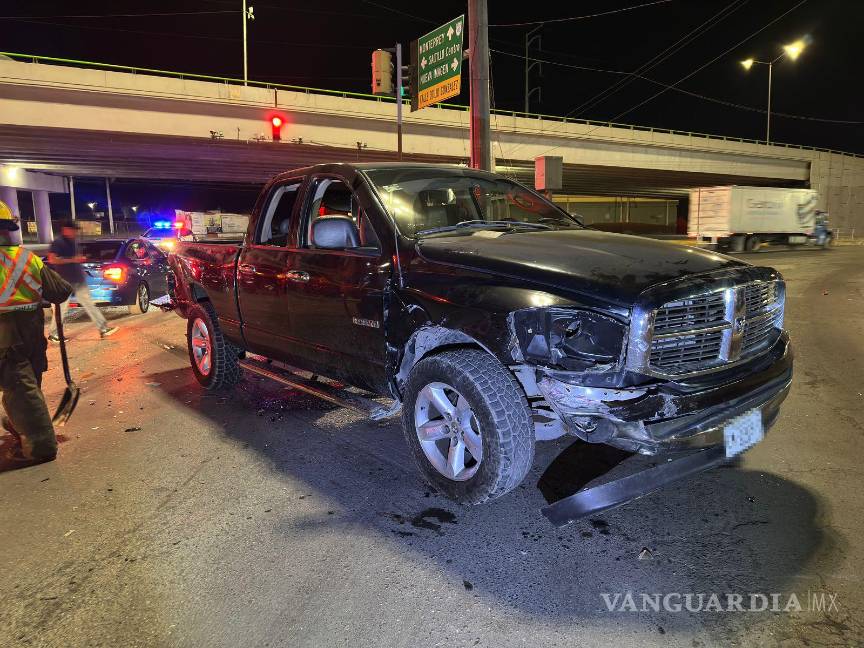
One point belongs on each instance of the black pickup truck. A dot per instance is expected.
(495, 320)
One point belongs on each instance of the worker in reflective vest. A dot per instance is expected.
(24, 283)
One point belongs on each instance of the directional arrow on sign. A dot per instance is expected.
(423, 63)
(450, 33)
(454, 64)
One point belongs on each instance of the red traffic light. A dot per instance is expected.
(276, 124)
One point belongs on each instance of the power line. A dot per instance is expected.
(662, 56)
(669, 86)
(130, 15)
(716, 58)
(401, 13)
(573, 18)
(195, 36)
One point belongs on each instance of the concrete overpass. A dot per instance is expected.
(147, 124)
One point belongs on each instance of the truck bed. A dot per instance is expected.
(211, 265)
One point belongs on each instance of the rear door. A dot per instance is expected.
(337, 296)
(262, 284)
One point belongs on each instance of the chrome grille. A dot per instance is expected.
(712, 330)
(671, 353)
(687, 314)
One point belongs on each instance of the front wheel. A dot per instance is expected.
(468, 425)
(214, 360)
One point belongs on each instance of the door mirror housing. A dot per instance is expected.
(335, 233)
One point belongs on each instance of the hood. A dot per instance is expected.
(613, 268)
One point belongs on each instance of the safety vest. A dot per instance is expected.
(20, 279)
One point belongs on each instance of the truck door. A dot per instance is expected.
(337, 296)
(262, 286)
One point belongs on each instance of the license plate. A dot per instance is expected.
(743, 432)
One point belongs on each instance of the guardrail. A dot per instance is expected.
(35, 58)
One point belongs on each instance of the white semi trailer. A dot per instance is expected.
(744, 218)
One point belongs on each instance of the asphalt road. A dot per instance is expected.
(264, 517)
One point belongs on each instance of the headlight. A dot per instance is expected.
(576, 340)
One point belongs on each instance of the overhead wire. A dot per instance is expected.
(583, 17)
(682, 42)
(713, 60)
(130, 15)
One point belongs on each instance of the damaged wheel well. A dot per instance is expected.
(431, 340)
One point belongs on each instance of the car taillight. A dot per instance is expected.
(117, 274)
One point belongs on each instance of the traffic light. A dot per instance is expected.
(276, 122)
(382, 73)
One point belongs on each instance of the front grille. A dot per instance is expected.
(688, 314)
(671, 353)
(710, 330)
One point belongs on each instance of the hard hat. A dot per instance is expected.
(8, 222)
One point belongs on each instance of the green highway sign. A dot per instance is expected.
(438, 60)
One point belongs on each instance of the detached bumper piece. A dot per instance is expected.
(164, 303)
(624, 489)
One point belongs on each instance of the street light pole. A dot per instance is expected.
(245, 58)
(768, 124)
(248, 14)
(791, 51)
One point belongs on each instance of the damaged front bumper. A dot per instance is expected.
(669, 417)
(684, 423)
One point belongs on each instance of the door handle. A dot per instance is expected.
(297, 275)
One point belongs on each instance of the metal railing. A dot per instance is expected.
(35, 58)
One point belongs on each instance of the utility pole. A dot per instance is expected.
(478, 44)
(110, 208)
(530, 38)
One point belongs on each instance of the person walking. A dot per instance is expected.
(24, 283)
(64, 257)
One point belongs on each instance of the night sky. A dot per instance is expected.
(328, 45)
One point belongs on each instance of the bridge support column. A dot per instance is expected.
(9, 195)
(42, 210)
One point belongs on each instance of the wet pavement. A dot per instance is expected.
(265, 517)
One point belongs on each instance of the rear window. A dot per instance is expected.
(100, 250)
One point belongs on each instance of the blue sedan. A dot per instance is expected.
(124, 272)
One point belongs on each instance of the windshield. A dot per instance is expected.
(426, 201)
(100, 250)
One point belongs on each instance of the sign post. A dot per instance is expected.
(438, 57)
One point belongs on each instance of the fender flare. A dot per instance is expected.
(428, 339)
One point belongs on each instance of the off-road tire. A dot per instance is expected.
(225, 371)
(502, 414)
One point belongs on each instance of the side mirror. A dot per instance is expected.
(335, 233)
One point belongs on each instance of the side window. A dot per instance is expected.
(136, 251)
(276, 222)
(330, 197)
